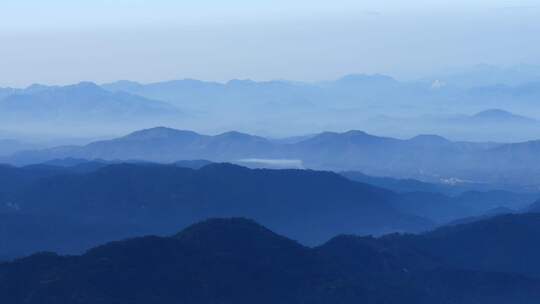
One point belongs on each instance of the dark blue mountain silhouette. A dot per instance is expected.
(237, 261)
(141, 198)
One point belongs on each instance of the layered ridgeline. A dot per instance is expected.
(65, 209)
(353, 91)
(485, 125)
(69, 205)
(238, 261)
(424, 157)
(79, 109)
(375, 103)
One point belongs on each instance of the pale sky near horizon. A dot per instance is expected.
(60, 41)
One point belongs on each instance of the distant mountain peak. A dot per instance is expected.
(224, 168)
(220, 224)
(87, 84)
(233, 234)
(122, 85)
(159, 132)
(36, 87)
(233, 134)
(498, 114)
(493, 113)
(356, 133)
(350, 133)
(355, 136)
(84, 85)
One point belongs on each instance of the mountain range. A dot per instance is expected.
(425, 157)
(488, 125)
(48, 207)
(277, 108)
(70, 205)
(348, 91)
(354, 101)
(80, 107)
(238, 261)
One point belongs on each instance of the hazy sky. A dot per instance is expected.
(61, 41)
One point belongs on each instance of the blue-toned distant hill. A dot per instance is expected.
(487, 125)
(279, 107)
(500, 116)
(351, 91)
(160, 145)
(505, 243)
(238, 261)
(197, 94)
(352, 102)
(85, 107)
(425, 157)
